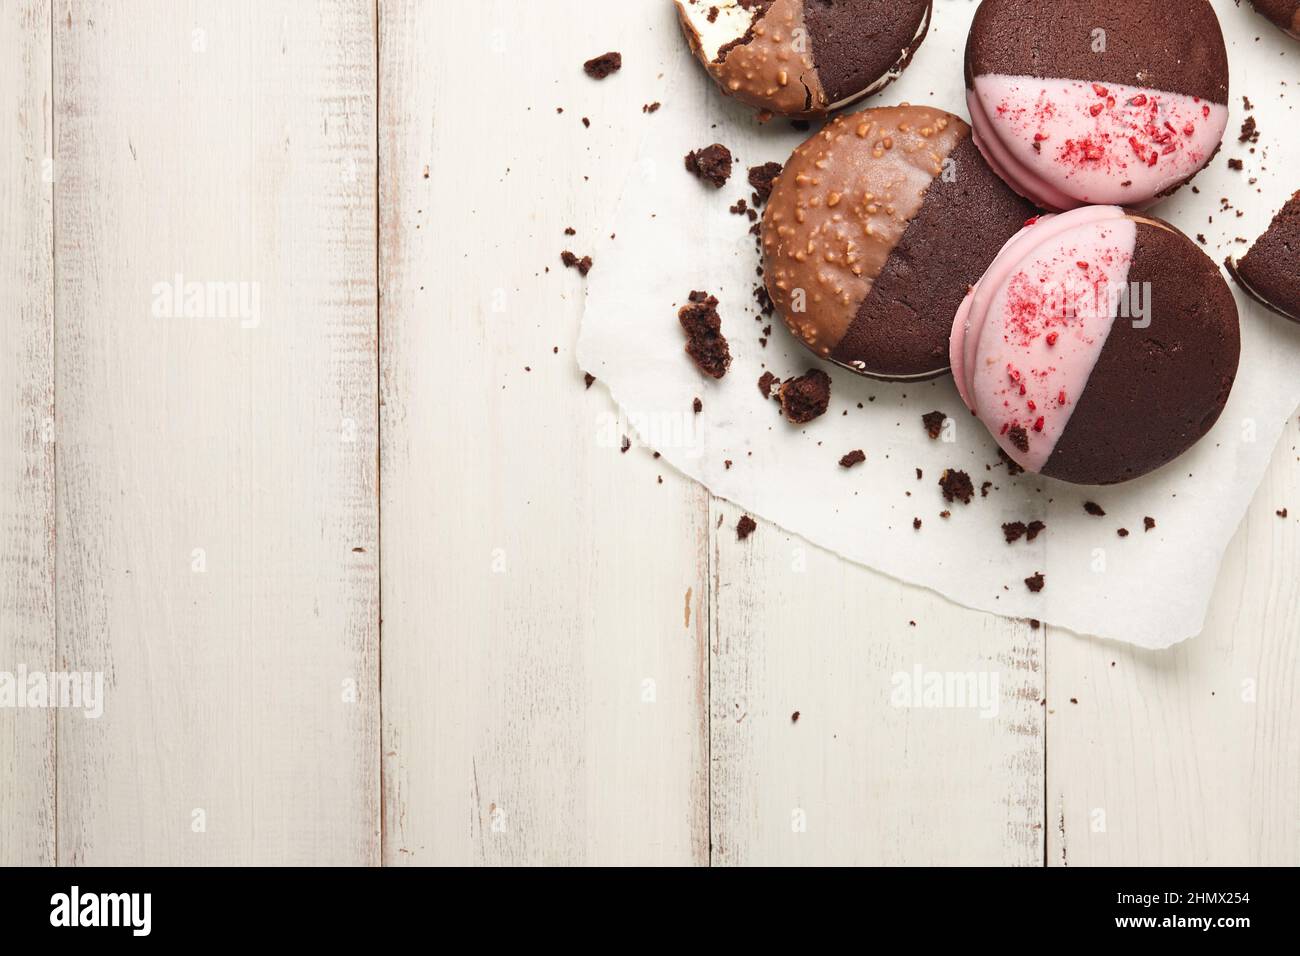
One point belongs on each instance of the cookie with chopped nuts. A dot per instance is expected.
(874, 231)
(803, 58)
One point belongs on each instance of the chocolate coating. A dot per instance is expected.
(904, 323)
(805, 57)
(1172, 45)
(875, 230)
(1270, 271)
(1155, 391)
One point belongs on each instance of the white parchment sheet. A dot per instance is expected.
(675, 235)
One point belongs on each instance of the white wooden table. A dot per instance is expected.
(577, 663)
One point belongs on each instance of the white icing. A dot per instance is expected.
(731, 23)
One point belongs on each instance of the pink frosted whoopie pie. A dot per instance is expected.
(1099, 345)
(1078, 102)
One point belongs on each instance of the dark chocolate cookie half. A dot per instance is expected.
(876, 229)
(1285, 13)
(803, 57)
(1270, 271)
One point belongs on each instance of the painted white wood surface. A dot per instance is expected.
(545, 597)
(578, 663)
(26, 426)
(217, 476)
(864, 775)
(1190, 756)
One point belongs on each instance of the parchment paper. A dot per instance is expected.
(674, 235)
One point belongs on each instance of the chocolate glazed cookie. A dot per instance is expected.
(1285, 13)
(876, 229)
(1100, 345)
(1078, 102)
(803, 57)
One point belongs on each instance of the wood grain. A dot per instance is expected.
(545, 597)
(863, 776)
(580, 663)
(217, 468)
(26, 426)
(1189, 757)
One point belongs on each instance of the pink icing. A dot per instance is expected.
(1069, 143)
(1039, 229)
(1027, 337)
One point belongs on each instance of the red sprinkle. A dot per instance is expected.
(1039, 137)
(1082, 265)
(1095, 109)
(1189, 129)
(1100, 90)
(1139, 100)
(1032, 406)
(1060, 399)
(1038, 425)
(1205, 111)
(1052, 337)
(1033, 219)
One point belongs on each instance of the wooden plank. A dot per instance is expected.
(870, 772)
(1188, 756)
(217, 475)
(26, 426)
(545, 597)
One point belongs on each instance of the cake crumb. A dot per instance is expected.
(933, 422)
(712, 164)
(599, 67)
(806, 397)
(957, 486)
(571, 261)
(761, 179)
(705, 343)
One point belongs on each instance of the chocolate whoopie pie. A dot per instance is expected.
(875, 230)
(1285, 13)
(1270, 271)
(803, 57)
(1100, 345)
(1097, 101)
